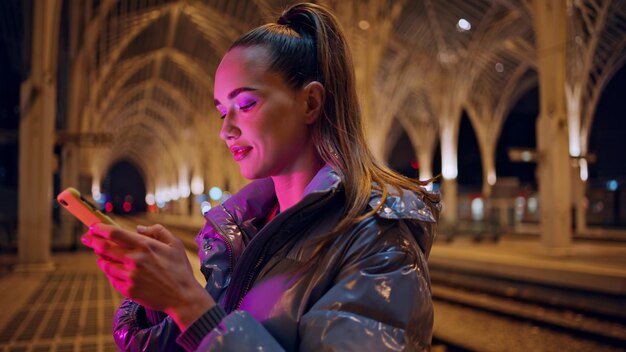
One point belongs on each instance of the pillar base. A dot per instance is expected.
(555, 251)
(34, 267)
(449, 189)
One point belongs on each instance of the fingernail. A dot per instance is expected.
(141, 228)
(84, 239)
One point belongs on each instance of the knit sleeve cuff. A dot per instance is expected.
(190, 339)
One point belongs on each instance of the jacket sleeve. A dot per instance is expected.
(238, 331)
(140, 329)
(380, 301)
(137, 328)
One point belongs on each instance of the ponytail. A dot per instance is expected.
(307, 44)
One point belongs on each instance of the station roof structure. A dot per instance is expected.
(139, 74)
(148, 68)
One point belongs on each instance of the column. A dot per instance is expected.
(449, 170)
(449, 189)
(578, 192)
(425, 159)
(183, 206)
(197, 187)
(550, 22)
(69, 178)
(70, 154)
(487, 159)
(38, 109)
(488, 163)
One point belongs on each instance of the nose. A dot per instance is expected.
(229, 130)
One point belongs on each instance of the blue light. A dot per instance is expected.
(612, 185)
(205, 207)
(201, 198)
(215, 193)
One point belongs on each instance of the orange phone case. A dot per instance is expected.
(83, 210)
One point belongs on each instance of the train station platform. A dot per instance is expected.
(71, 308)
(596, 260)
(589, 265)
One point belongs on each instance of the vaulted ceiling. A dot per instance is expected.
(146, 69)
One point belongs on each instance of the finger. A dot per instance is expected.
(105, 248)
(119, 286)
(158, 232)
(105, 257)
(145, 231)
(86, 240)
(113, 270)
(120, 236)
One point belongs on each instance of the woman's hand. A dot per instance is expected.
(151, 268)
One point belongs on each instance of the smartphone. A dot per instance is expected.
(82, 209)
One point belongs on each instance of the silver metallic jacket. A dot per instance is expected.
(368, 291)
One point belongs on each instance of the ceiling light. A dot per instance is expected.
(463, 25)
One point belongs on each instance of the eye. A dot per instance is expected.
(222, 112)
(247, 105)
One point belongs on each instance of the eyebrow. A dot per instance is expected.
(235, 92)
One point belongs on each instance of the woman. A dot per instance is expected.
(325, 250)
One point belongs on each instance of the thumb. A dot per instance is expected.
(158, 232)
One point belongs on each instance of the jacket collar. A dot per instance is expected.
(325, 180)
(258, 197)
(255, 200)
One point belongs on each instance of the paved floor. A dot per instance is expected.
(69, 309)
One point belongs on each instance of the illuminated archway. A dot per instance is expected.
(124, 183)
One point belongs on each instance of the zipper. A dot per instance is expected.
(229, 244)
(253, 272)
(249, 281)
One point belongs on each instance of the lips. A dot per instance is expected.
(239, 152)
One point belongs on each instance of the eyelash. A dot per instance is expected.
(242, 108)
(247, 107)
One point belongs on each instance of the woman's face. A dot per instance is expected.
(265, 123)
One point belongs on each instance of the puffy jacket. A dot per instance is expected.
(369, 290)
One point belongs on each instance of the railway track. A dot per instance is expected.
(523, 316)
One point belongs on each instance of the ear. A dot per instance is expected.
(314, 93)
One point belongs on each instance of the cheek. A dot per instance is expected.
(285, 136)
(275, 128)
(268, 129)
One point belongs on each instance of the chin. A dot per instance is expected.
(251, 174)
